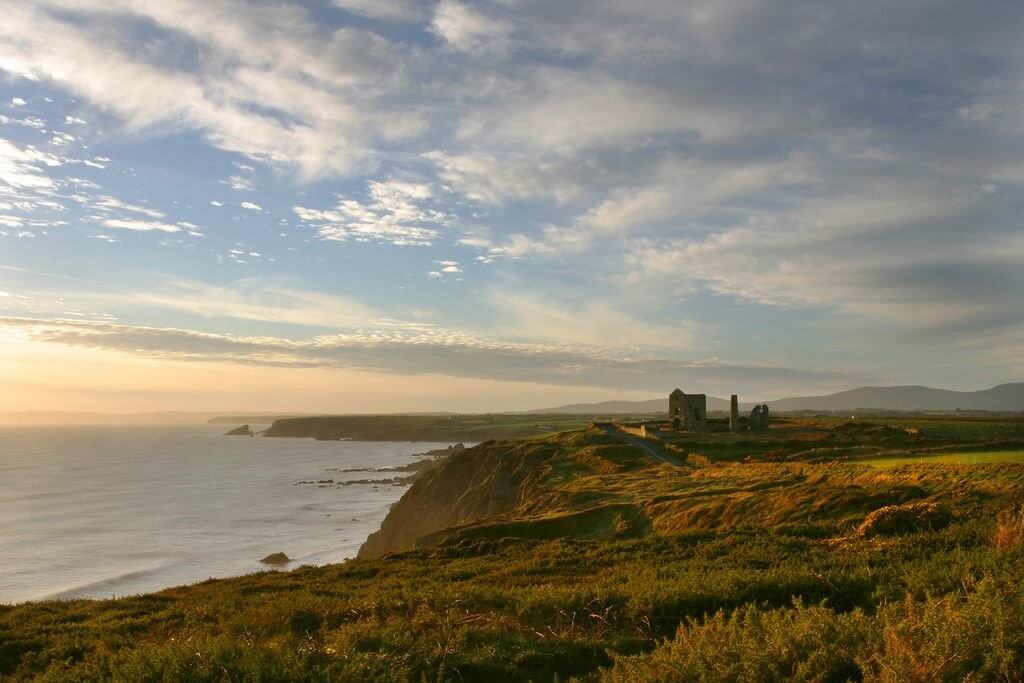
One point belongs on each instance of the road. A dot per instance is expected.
(639, 444)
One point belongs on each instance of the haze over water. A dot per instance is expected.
(103, 511)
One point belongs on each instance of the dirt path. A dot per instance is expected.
(639, 444)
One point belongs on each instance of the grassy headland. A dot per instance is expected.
(766, 557)
(466, 428)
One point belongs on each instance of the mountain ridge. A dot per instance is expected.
(1003, 397)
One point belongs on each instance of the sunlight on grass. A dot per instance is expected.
(972, 458)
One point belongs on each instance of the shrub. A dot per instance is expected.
(904, 519)
(752, 644)
(1009, 533)
(306, 623)
(974, 635)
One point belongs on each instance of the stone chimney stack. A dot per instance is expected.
(734, 413)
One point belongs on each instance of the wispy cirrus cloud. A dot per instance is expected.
(138, 225)
(313, 122)
(21, 168)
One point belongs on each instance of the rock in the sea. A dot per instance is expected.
(276, 558)
(244, 430)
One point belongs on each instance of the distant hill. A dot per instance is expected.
(249, 418)
(655, 405)
(1005, 397)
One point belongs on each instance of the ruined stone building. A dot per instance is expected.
(759, 418)
(687, 411)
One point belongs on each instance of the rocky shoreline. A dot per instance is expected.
(427, 462)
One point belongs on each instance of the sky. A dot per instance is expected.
(391, 205)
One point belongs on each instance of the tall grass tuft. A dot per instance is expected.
(1009, 533)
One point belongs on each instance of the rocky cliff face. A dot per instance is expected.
(472, 484)
(244, 430)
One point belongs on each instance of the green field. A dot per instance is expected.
(573, 556)
(968, 458)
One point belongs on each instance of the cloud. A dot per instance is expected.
(391, 10)
(694, 187)
(551, 241)
(108, 203)
(423, 351)
(112, 212)
(446, 268)
(83, 183)
(141, 225)
(466, 28)
(26, 122)
(20, 167)
(589, 321)
(249, 206)
(239, 184)
(573, 112)
(266, 300)
(768, 166)
(488, 179)
(269, 81)
(256, 300)
(397, 212)
(909, 273)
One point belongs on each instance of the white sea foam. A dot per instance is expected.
(102, 511)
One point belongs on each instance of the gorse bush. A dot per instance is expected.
(1009, 532)
(754, 644)
(902, 519)
(977, 634)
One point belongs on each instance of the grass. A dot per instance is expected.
(745, 565)
(466, 428)
(965, 458)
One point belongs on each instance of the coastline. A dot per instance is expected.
(85, 503)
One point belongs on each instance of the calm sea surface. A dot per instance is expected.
(103, 511)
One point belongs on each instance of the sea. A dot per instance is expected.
(101, 511)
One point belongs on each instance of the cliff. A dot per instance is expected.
(587, 484)
(472, 484)
(472, 428)
(537, 488)
(244, 430)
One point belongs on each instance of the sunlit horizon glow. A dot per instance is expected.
(346, 206)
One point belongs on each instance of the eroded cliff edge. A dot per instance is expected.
(472, 484)
(534, 488)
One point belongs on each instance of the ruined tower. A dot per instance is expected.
(734, 413)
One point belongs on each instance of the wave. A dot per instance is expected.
(112, 581)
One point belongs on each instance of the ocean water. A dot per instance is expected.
(109, 511)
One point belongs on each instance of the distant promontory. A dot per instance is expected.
(437, 428)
